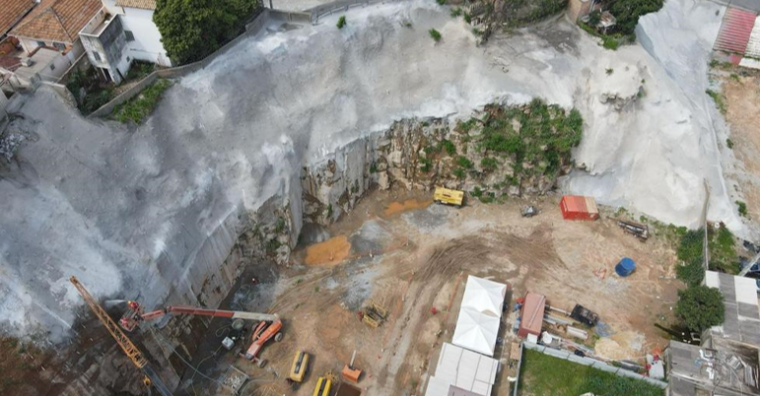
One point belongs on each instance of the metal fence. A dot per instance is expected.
(342, 6)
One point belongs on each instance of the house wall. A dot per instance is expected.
(147, 45)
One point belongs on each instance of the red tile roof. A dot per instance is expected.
(9, 63)
(13, 11)
(57, 20)
(144, 4)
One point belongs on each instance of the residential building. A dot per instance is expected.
(727, 362)
(120, 33)
(13, 12)
(55, 24)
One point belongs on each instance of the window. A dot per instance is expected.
(40, 43)
(130, 36)
(60, 46)
(96, 56)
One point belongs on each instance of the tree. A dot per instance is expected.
(700, 307)
(691, 273)
(192, 29)
(627, 12)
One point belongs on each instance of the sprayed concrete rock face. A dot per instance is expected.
(134, 213)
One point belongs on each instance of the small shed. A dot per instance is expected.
(625, 267)
(532, 315)
(576, 207)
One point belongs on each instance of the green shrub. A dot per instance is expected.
(609, 71)
(459, 173)
(426, 164)
(729, 143)
(441, 2)
(435, 35)
(718, 98)
(691, 246)
(594, 18)
(464, 162)
(742, 208)
(455, 12)
(341, 22)
(140, 107)
(476, 192)
(610, 43)
(489, 164)
(700, 307)
(627, 13)
(467, 17)
(448, 146)
(691, 273)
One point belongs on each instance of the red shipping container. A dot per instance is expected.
(576, 207)
(532, 315)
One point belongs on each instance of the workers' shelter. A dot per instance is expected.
(532, 315)
(462, 372)
(480, 315)
(576, 207)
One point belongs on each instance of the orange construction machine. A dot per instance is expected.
(134, 315)
(265, 331)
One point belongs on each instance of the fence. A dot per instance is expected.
(342, 5)
(586, 361)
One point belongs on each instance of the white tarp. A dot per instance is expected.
(463, 369)
(480, 315)
(484, 295)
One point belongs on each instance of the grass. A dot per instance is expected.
(436, 35)
(718, 99)
(489, 164)
(140, 107)
(455, 12)
(448, 146)
(546, 375)
(341, 22)
(610, 43)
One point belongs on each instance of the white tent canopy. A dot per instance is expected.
(480, 315)
(466, 371)
(484, 296)
(476, 331)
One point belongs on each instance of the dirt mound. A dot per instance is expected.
(328, 253)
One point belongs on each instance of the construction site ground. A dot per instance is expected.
(401, 251)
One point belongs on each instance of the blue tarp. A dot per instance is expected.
(625, 267)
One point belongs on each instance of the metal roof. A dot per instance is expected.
(742, 318)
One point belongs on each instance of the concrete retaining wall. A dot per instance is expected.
(587, 361)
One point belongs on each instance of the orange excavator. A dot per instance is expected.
(268, 328)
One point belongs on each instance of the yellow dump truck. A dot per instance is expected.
(448, 197)
(323, 387)
(299, 367)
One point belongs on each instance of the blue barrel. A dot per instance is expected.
(625, 267)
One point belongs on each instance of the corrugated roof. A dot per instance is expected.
(735, 30)
(142, 4)
(9, 62)
(57, 20)
(13, 11)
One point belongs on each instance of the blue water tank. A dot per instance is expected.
(625, 267)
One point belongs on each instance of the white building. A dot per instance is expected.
(480, 315)
(122, 32)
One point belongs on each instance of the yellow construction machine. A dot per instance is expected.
(449, 197)
(374, 314)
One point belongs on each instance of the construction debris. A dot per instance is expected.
(640, 231)
(374, 315)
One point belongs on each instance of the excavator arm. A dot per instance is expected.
(129, 348)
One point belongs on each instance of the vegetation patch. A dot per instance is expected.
(700, 307)
(436, 35)
(718, 99)
(341, 22)
(140, 107)
(742, 208)
(89, 90)
(541, 143)
(546, 375)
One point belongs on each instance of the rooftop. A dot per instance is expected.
(742, 320)
(13, 11)
(727, 366)
(57, 20)
(142, 4)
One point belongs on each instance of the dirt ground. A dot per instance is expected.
(398, 250)
(742, 93)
